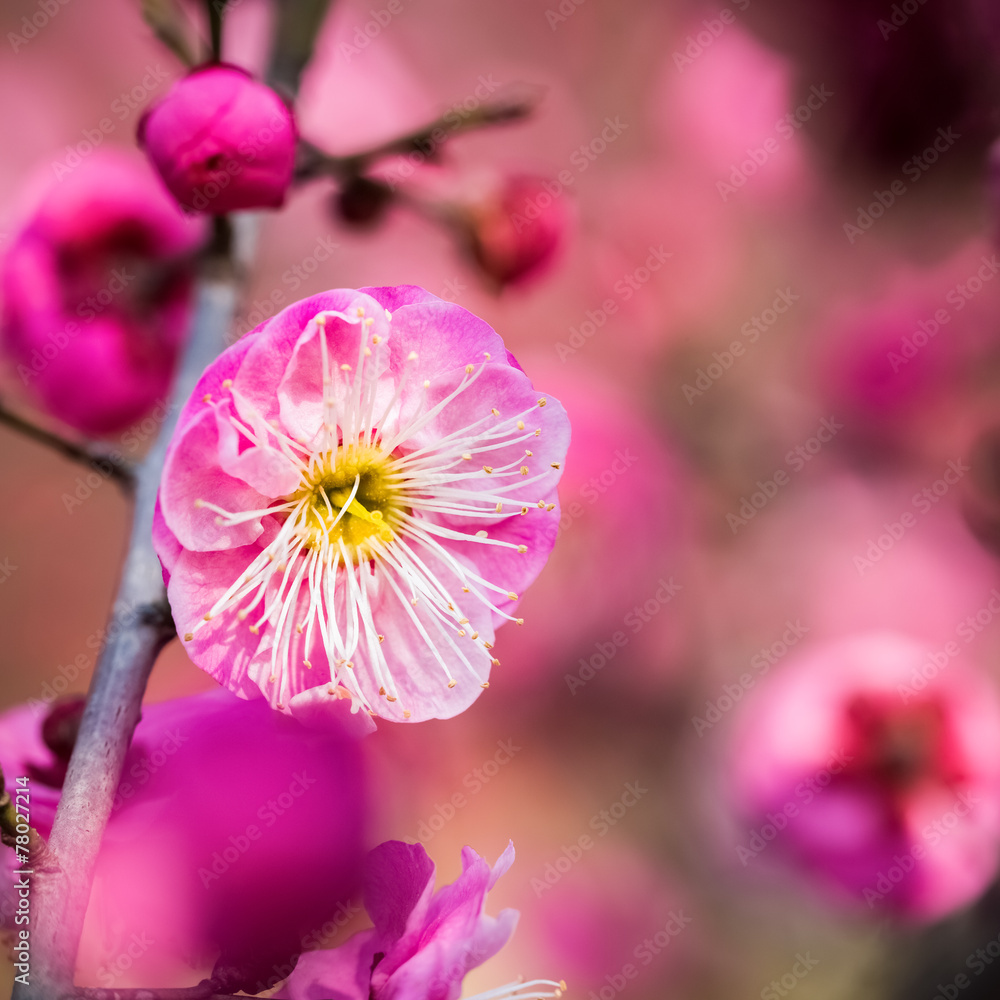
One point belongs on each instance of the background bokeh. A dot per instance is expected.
(728, 318)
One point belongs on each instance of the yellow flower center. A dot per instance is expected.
(350, 497)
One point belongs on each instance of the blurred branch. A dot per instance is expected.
(299, 22)
(515, 104)
(90, 455)
(168, 24)
(215, 9)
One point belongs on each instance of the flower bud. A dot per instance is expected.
(515, 233)
(362, 202)
(97, 290)
(221, 141)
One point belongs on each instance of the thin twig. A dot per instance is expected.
(516, 104)
(87, 454)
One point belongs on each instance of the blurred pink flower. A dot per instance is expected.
(96, 289)
(221, 141)
(900, 370)
(611, 910)
(339, 480)
(423, 943)
(516, 231)
(211, 853)
(623, 518)
(874, 762)
(732, 101)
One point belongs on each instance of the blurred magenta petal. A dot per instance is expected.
(97, 292)
(235, 834)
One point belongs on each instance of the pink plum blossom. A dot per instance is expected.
(882, 762)
(97, 289)
(221, 141)
(212, 849)
(423, 943)
(356, 495)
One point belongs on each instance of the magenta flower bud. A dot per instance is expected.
(97, 292)
(516, 233)
(221, 141)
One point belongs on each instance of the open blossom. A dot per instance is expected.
(355, 497)
(423, 943)
(96, 294)
(874, 761)
(211, 850)
(221, 141)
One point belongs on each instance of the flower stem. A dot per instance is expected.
(141, 625)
